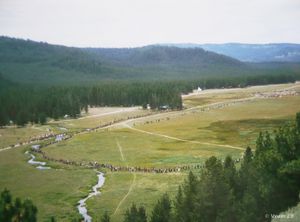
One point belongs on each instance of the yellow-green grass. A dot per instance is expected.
(14, 135)
(122, 189)
(138, 149)
(55, 192)
(237, 124)
(218, 95)
(208, 98)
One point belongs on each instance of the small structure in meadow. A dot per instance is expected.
(164, 107)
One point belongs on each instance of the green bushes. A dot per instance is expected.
(16, 210)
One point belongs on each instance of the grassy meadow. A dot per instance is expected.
(138, 149)
(165, 139)
(238, 124)
(122, 189)
(14, 135)
(55, 191)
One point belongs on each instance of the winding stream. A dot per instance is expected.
(82, 206)
(41, 165)
(81, 203)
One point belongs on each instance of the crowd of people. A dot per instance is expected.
(277, 94)
(56, 136)
(113, 168)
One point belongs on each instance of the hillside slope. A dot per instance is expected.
(29, 61)
(26, 61)
(279, 52)
(164, 56)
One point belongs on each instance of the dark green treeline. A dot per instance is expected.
(22, 103)
(25, 104)
(265, 183)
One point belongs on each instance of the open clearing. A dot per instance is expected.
(55, 192)
(139, 139)
(100, 116)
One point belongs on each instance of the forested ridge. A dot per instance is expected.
(265, 183)
(26, 61)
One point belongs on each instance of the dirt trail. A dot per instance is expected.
(123, 110)
(120, 149)
(6, 148)
(109, 113)
(129, 191)
(184, 140)
(132, 183)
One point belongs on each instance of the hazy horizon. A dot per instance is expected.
(160, 43)
(135, 23)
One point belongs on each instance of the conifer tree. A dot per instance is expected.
(135, 215)
(16, 210)
(162, 210)
(179, 206)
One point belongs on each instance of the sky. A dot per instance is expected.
(130, 23)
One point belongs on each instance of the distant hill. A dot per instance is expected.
(26, 61)
(194, 58)
(281, 52)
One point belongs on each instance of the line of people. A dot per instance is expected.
(112, 168)
(46, 136)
